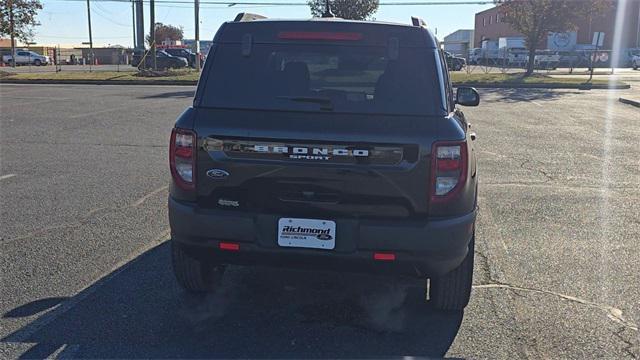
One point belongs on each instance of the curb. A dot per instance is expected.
(545, 86)
(99, 82)
(194, 82)
(635, 103)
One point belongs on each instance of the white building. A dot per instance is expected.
(459, 42)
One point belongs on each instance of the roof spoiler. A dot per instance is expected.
(416, 21)
(248, 17)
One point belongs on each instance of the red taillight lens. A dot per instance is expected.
(182, 158)
(319, 35)
(229, 246)
(379, 256)
(448, 169)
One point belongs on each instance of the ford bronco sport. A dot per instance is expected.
(326, 144)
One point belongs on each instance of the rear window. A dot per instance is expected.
(322, 77)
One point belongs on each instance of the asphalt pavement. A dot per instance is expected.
(85, 267)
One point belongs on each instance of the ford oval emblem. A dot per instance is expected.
(217, 173)
(324, 237)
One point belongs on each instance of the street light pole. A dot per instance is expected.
(13, 34)
(152, 20)
(90, 35)
(196, 4)
(133, 18)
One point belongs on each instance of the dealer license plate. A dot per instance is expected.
(307, 233)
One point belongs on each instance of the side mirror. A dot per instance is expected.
(467, 96)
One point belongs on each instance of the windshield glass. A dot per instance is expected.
(354, 79)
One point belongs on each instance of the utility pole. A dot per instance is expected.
(196, 10)
(139, 24)
(90, 35)
(133, 19)
(152, 20)
(13, 34)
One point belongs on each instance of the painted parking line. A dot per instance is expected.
(7, 176)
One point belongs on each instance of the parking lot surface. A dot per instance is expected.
(85, 267)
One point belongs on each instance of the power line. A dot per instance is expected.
(101, 12)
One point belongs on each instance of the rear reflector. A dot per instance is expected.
(229, 246)
(384, 256)
(313, 35)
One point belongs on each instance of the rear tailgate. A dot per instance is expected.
(341, 165)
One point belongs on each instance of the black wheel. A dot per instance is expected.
(453, 290)
(196, 276)
(635, 67)
(37, 62)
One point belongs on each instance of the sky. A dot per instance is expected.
(64, 22)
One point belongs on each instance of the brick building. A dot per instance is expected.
(490, 26)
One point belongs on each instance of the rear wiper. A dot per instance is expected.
(326, 103)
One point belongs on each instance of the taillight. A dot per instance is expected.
(182, 158)
(448, 169)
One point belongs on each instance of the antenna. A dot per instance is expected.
(327, 11)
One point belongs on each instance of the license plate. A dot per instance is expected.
(307, 233)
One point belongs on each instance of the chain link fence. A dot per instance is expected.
(546, 62)
(57, 59)
(476, 61)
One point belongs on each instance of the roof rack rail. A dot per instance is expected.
(248, 17)
(416, 21)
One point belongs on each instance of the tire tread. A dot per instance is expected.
(452, 291)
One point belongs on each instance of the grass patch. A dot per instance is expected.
(188, 75)
(515, 78)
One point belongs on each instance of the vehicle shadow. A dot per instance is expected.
(138, 311)
(171, 94)
(520, 95)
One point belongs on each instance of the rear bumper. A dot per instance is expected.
(422, 247)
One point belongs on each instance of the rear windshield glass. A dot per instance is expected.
(358, 79)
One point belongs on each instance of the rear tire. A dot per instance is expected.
(453, 290)
(194, 275)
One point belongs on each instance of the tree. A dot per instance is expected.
(346, 9)
(535, 19)
(165, 31)
(17, 19)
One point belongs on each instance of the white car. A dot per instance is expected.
(635, 62)
(547, 60)
(24, 57)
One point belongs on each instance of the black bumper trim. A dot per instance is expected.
(433, 246)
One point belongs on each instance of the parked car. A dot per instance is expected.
(475, 55)
(185, 53)
(635, 62)
(546, 59)
(516, 56)
(163, 60)
(454, 63)
(331, 145)
(25, 57)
